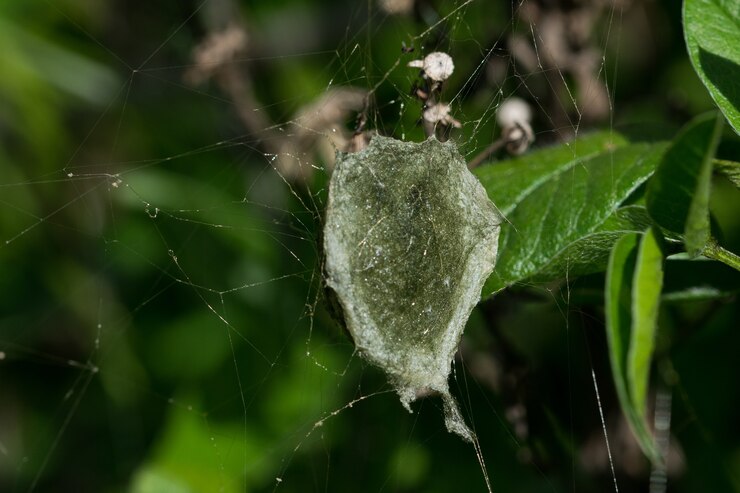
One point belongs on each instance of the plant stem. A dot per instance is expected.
(716, 252)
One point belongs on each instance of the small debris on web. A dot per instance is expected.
(409, 239)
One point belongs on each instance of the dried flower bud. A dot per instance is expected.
(518, 138)
(513, 111)
(214, 52)
(438, 66)
(440, 113)
(397, 7)
(514, 116)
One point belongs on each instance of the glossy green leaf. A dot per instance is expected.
(712, 32)
(624, 274)
(678, 195)
(590, 252)
(508, 182)
(646, 288)
(617, 307)
(561, 208)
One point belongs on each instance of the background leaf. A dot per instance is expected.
(712, 33)
(730, 169)
(562, 211)
(678, 194)
(698, 279)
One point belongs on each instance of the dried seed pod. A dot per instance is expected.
(410, 237)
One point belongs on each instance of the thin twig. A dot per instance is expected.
(487, 152)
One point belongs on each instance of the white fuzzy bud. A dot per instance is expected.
(518, 138)
(397, 7)
(514, 116)
(438, 66)
(440, 113)
(513, 111)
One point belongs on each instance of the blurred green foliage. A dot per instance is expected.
(161, 327)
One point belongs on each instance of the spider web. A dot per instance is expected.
(163, 325)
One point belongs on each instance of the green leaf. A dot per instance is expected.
(561, 205)
(712, 32)
(646, 287)
(678, 194)
(589, 253)
(617, 307)
(626, 327)
(508, 182)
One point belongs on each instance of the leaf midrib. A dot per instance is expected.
(591, 231)
(526, 192)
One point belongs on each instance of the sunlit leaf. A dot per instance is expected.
(678, 194)
(627, 326)
(647, 284)
(508, 182)
(617, 308)
(561, 210)
(590, 252)
(712, 32)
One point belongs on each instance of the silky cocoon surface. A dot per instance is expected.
(410, 237)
